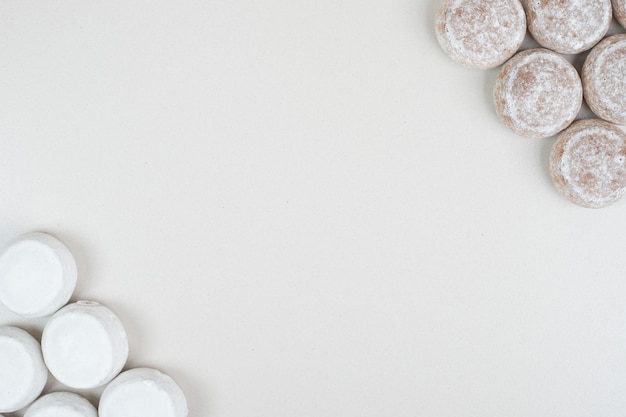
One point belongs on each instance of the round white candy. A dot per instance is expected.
(23, 373)
(65, 404)
(142, 392)
(37, 275)
(84, 345)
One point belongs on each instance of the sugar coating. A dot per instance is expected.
(604, 79)
(61, 404)
(23, 373)
(619, 11)
(568, 26)
(84, 345)
(480, 33)
(37, 275)
(588, 163)
(537, 93)
(142, 392)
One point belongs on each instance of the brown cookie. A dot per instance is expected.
(604, 79)
(568, 26)
(537, 93)
(588, 163)
(619, 11)
(480, 33)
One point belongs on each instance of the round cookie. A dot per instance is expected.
(37, 275)
(480, 33)
(22, 369)
(568, 26)
(588, 163)
(84, 345)
(619, 11)
(537, 93)
(66, 404)
(604, 79)
(142, 392)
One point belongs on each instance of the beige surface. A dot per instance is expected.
(304, 208)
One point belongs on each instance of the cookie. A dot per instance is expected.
(23, 373)
(65, 404)
(143, 392)
(568, 26)
(37, 275)
(537, 93)
(619, 11)
(604, 79)
(480, 33)
(588, 163)
(84, 345)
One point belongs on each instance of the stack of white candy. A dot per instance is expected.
(84, 344)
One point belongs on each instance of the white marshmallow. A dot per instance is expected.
(142, 392)
(84, 345)
(65, 404)
(37, 275)
(22, 369)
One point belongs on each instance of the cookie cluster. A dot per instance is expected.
(539, 94)
(83, 346)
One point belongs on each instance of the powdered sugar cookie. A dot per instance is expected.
(604, 79)
(588, 163)
(84, 345)
(619, 11)
(23, 373)
(568, 26)
(143, 392)
(480, 33)
(37, 275)
(61, 404)
(537, 93)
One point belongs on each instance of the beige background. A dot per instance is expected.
(304, 208)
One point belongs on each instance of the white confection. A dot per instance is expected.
(37, 275)
(142, 392)
(61, 404)
(23, 373)
(84, 345)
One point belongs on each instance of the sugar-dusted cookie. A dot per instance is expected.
(143, 392)
(568, 26)
(537, 93)
(480, 33)
(23, 373)
(61, 404)
(588, 163)
(37, 275)
(619, 11)
(84, 345)
(604, 79)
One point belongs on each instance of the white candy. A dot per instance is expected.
(23, 373)
(61, 404)
(142, 392)
(37, 275)
(84, 345)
